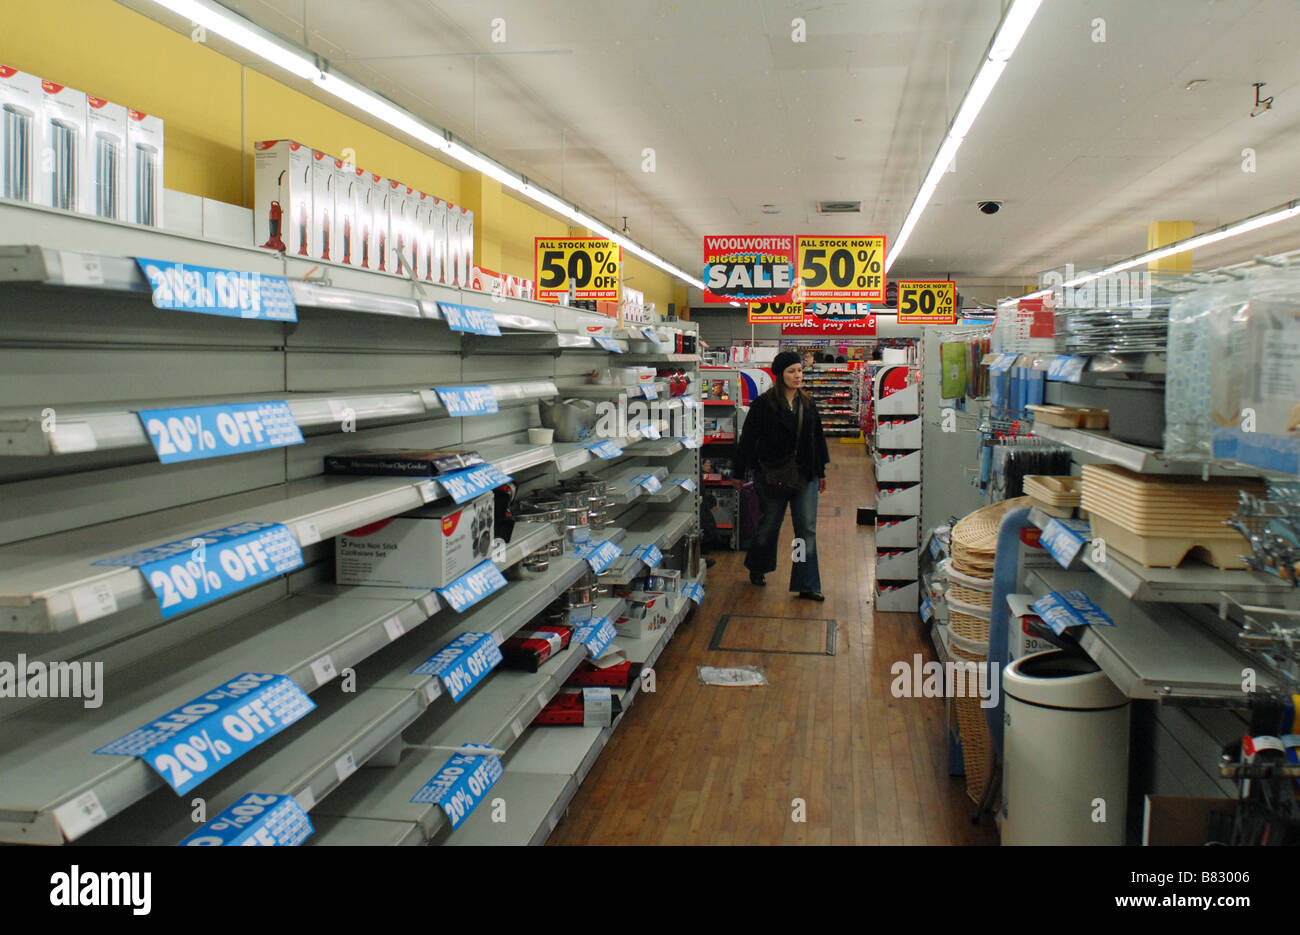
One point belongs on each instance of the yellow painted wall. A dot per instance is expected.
(112, 52)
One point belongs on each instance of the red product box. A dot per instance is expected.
(588, 675)
(566, 709)
(530, 647)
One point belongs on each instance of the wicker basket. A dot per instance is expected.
(973, 590)
(968, 622)
(976, 744)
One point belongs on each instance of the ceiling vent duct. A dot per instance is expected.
(839, 207)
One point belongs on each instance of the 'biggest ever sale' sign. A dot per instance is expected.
(748, 268)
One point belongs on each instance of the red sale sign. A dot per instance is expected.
(833, 320)
(748, 268)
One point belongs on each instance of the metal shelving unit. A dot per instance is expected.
(1153, 648)
(100, 351)
(1190, 584)
(1100, 446)
(543, 771)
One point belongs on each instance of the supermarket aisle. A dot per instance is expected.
(696, 764)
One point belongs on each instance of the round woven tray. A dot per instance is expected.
(976, 533)
(968, 626)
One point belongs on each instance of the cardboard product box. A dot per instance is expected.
(20, 119)
(438, 218)
(282, 196)
(397, 228)
(61, 143)
(363, 250)
(460, 234)
(322, 205)
(103, 178)
(567, 709)
(427, 548)
(534, 645)
(144, 168)
(590, 674)
(667, 580)
(380, 252)
(467, 244)
(346, 247)
(424, 236)
(404, 462)
(414, 233)
(647, 612)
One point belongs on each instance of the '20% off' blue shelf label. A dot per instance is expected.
(649, 554)
(1061, 610)
(256, 820)
(192, 572)
(197, 432)
(469, 319)
(605, 449)
(1063, 539)
(468, 400)
(195, 741)
(695, 591)
(463, 663)
(206, 290)
(470, 588)
(685, 483)
(596, 636)
(466, 485)
(460, 786)
(599, 555)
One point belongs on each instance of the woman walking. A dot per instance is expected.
(783, 443)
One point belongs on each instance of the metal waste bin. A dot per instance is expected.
(1065, 752)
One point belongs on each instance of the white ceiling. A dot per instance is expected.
(1085, 142)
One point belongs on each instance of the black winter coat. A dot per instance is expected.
(768, 436)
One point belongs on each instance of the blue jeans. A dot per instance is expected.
(804, 575)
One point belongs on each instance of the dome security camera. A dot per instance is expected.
(990, 207)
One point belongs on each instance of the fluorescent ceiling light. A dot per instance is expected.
(244, 34)
(1236, 229)
(248, 36)
(1009, 33)
(1012, 29)
(377, 107)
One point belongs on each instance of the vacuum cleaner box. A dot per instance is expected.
(103, 171)
(427, 548)
(379, 223)
(424, 236)
(20, 111)
(345, 214)
(398, 228)
(363, 244)
(459, 224)
(62, 146)
(465, 258)
(322, 205)
(144, 168)
(282, 196)
(439, 218)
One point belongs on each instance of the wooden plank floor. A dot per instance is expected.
(697, 764)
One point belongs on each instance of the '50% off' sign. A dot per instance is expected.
(927, 302)
(841, 269)
(590, 264)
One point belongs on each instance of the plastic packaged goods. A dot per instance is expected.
(1212, 364)
(1272, 369)
(1188, 400)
